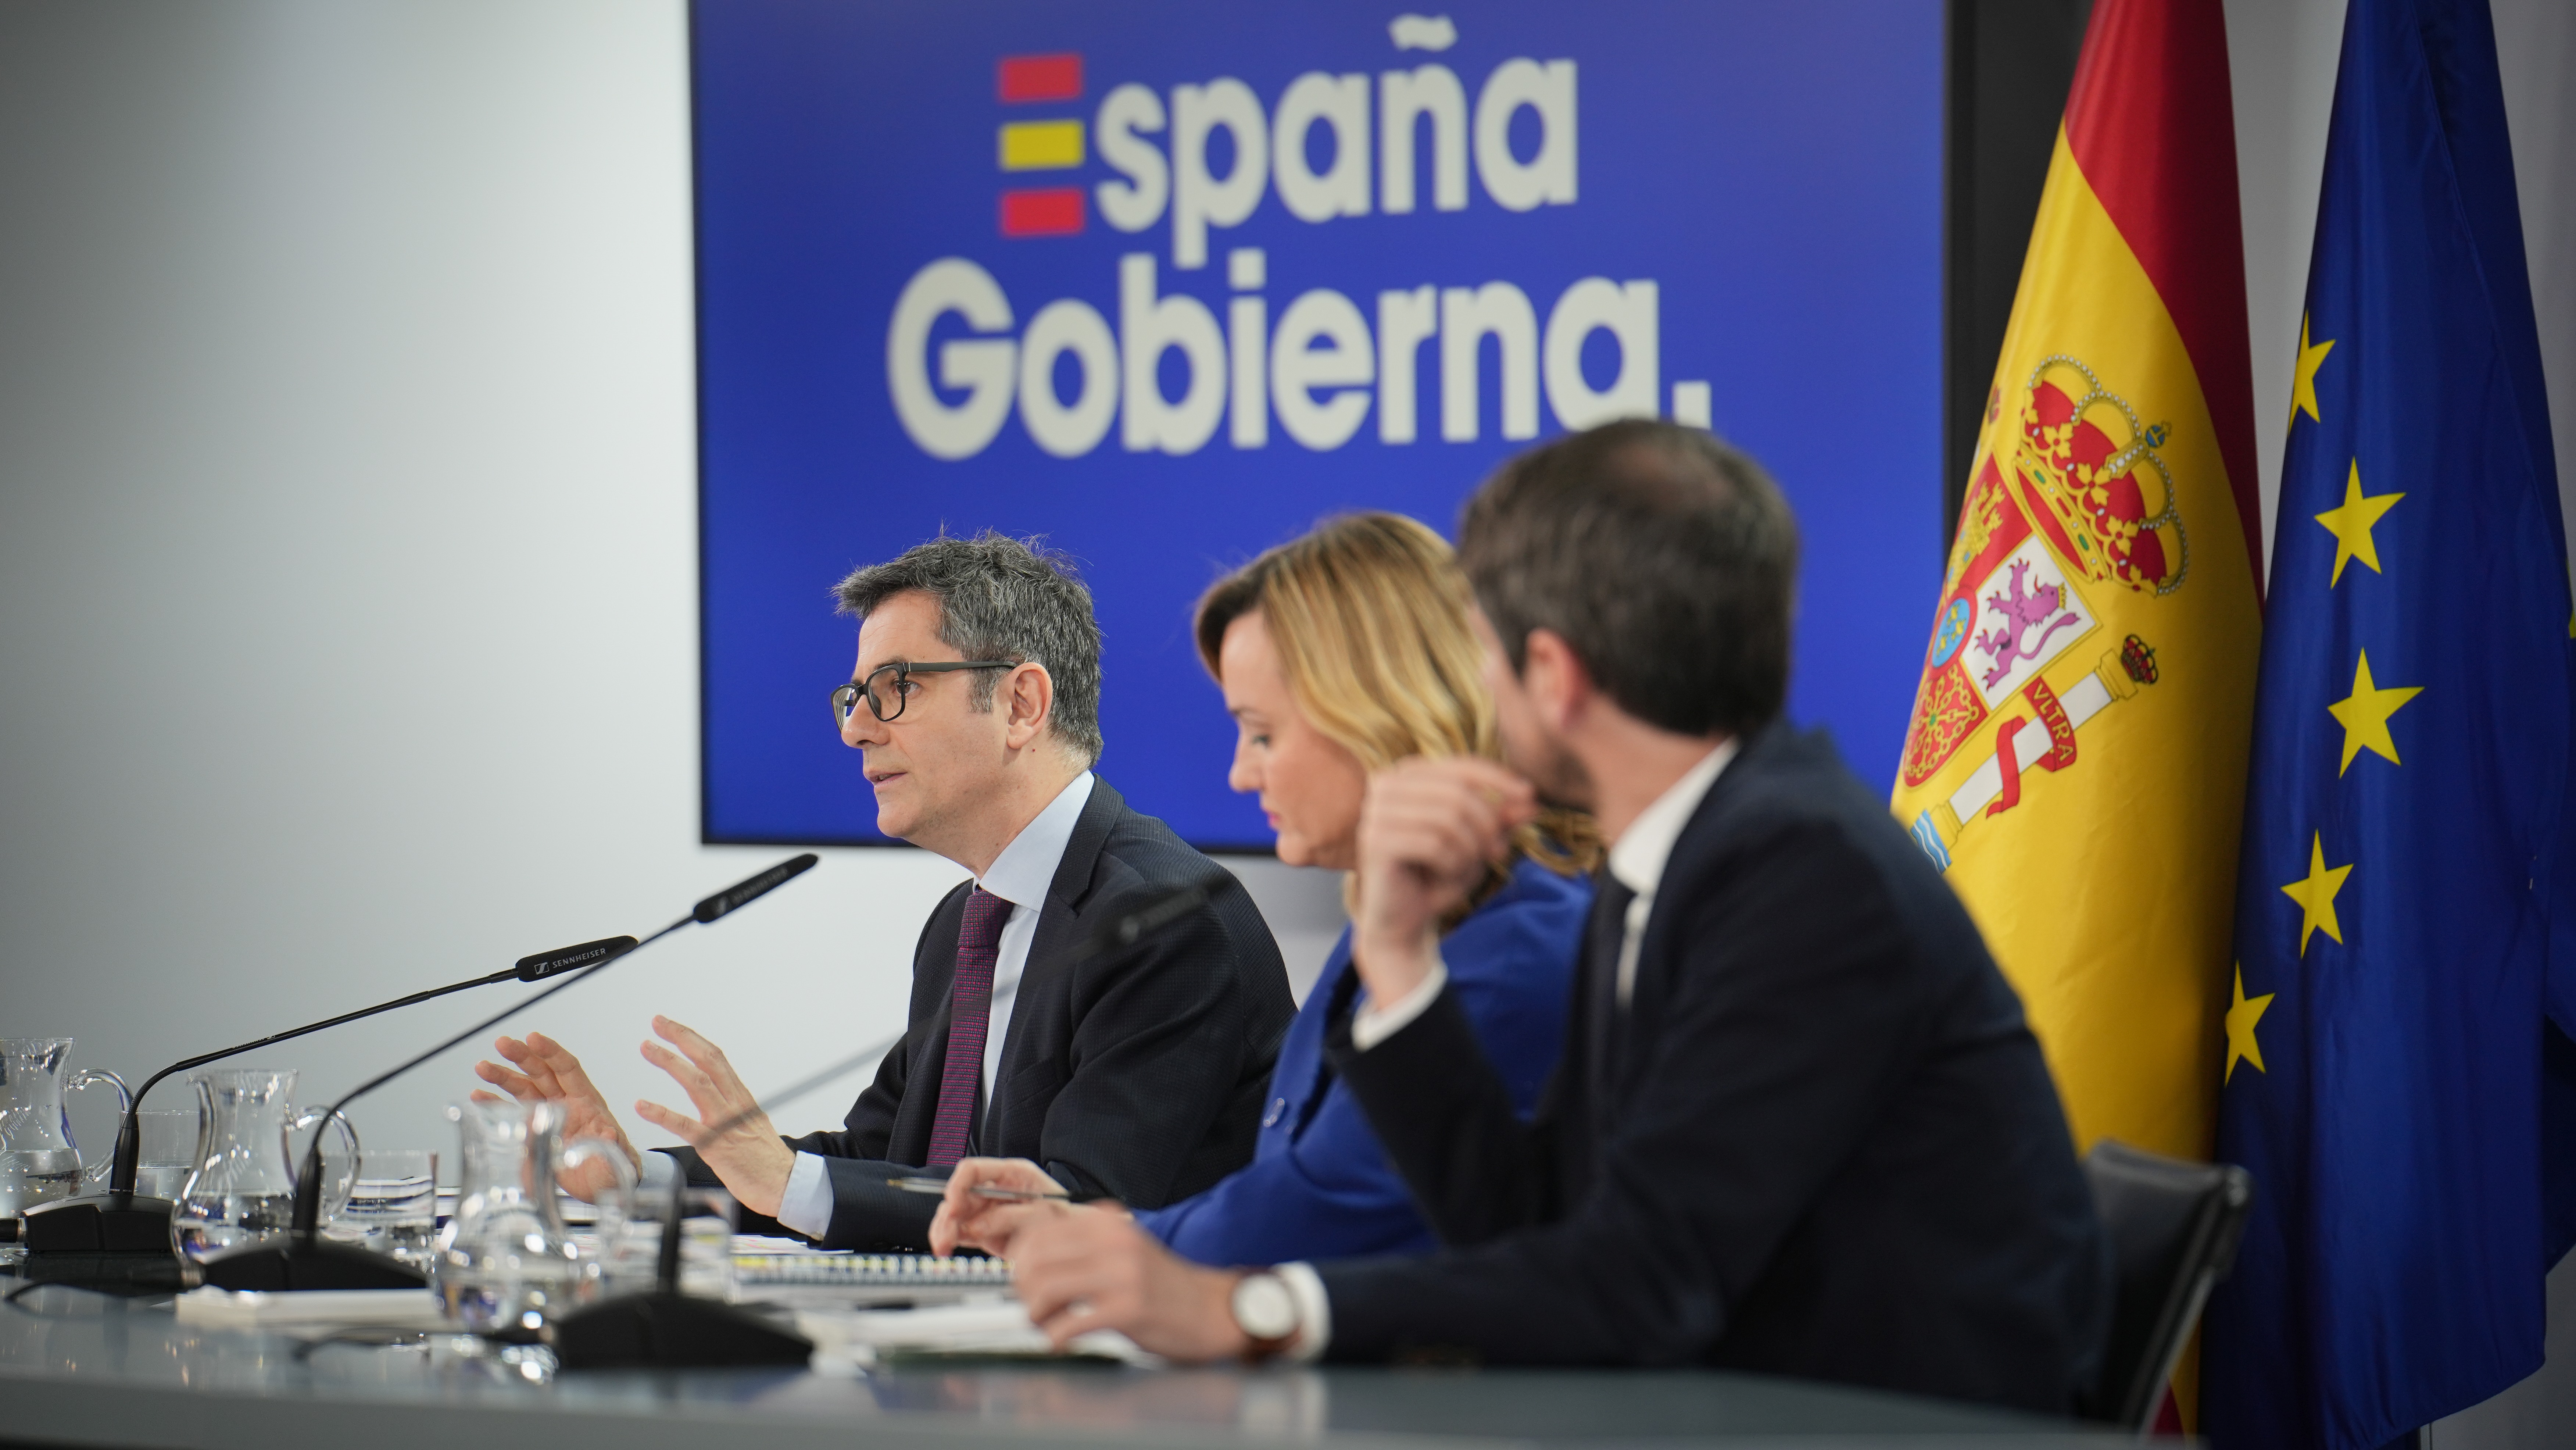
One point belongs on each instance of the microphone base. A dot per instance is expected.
(288, 1264)
(664, 1330)
(99, 1223)
(115, 1243)
(127, 1275)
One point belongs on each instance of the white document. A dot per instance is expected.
(976, 1329)
(252, 1309)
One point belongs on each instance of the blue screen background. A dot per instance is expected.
(1776, 169)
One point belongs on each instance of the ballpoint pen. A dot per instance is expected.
(938, 1188)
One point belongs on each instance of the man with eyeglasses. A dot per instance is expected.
(1136, 1075)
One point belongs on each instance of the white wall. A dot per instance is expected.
(348, 560)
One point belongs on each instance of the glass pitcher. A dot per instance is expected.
(507, 1265)
(38, 1160)
(242, 1188)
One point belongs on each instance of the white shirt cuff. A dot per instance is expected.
(806, 1206)
(1314, 1312)
(1373, 1024)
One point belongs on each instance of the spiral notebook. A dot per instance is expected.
(783, 1271)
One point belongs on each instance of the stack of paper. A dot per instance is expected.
(961, 1329)
(311, 1308)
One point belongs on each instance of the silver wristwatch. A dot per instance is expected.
(1265, 1309)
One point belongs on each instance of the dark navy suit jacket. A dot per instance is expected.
(1319, 1186)
(1136, 1074)
(1820, 1140)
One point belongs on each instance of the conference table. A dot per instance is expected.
(85, 1369)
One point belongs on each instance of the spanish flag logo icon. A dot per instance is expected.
(1049, 143)
(2076, 758)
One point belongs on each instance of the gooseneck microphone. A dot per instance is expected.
(661, 1328)
(527, 969)
(304, 1260)
(121, 1222)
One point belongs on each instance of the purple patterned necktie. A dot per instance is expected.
(970, 1011)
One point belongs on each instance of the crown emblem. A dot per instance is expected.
(2085, 455)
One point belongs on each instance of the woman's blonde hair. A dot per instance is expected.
(1369, 616)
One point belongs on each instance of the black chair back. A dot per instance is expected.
(2173, 1227)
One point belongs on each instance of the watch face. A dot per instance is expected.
(1263, 1307)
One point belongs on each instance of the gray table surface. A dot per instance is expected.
(83, 1369)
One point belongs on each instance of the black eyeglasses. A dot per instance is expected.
(886, 697)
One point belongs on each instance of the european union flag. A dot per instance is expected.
(2388, 1046)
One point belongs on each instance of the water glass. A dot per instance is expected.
(393, 1209)
(167, 1152)
(706, 1248)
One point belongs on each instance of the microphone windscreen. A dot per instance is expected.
(743, 893)
(573, 958)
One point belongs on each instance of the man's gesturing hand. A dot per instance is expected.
(548, 1072)
(748, 1155)
(1428, 830)
(1079, 1269)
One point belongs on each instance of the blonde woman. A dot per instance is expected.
(1341, 653)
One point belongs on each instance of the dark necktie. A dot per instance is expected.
(970, 1012)
(1601, 983)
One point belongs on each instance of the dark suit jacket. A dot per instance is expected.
(1819, 1142)
(1138, 1074)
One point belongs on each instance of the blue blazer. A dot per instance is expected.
(1318, 1185)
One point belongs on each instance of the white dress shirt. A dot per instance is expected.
(1020, 875)
(1637, 860)
(1638, 857)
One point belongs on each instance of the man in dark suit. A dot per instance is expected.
(1136, 1074)
(1799, 1125)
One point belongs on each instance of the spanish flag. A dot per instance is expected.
(2076, 758)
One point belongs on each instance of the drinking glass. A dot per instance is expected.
(168, 1151)
(706, 1246)
(393, 1208)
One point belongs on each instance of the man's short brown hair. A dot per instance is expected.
(1665, 558)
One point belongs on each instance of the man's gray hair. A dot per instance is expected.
(1002, 598)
